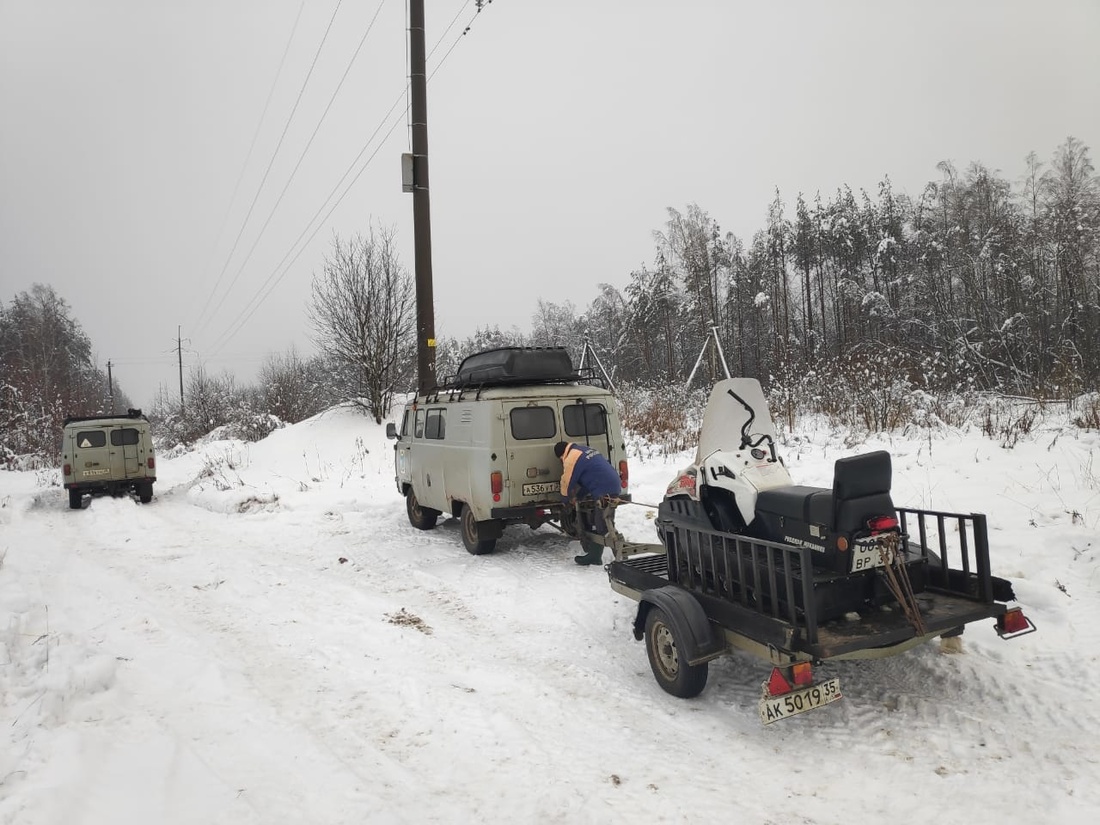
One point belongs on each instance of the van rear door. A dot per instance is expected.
(586, 423)
(125, 460)
(531, 429)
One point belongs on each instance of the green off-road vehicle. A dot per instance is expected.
(108, 455)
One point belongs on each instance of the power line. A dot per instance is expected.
(248, 158)
(274, 154)
(261, 295)
(275, 278)
(302, 156)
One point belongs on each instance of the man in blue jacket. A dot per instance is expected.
(587, 474)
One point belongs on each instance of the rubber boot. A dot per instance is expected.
(593, 553)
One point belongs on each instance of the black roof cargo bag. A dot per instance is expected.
(515, 365)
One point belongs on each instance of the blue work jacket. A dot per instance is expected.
(587, 472)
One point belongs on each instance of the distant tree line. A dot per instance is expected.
(974, 284)
(47, 372)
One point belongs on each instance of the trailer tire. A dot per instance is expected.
(671, 671)
(75, 499)
(471, 534)
(422, 518)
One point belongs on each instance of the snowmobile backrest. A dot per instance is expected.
(861, 490)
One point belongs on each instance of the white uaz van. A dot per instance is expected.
(481, 447)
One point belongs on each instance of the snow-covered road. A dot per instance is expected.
(269, 641)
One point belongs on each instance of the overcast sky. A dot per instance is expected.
(559, 134)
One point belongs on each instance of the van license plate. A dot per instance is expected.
(774, 708)
(540, 488)
(102, 472)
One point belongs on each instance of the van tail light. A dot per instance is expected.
(1014, 623)
(68, 469)
(151, 463)
(624, 474)
(496, 483)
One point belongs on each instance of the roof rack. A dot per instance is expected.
(517, 366)
(130, 413)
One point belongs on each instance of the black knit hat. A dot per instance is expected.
(560, 447)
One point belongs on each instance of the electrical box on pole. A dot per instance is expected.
(408, 172)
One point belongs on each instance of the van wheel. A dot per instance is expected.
(672, 673)
(75, 499)
(471, 534)
(422, 518)
(145, 493)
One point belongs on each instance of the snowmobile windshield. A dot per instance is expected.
(736, 409)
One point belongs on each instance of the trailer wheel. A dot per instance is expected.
(422, 518)
(471, 534)
(75, 499)
(672, 674)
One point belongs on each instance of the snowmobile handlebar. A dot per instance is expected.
(746, 439)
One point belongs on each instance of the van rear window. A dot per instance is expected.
(584, 419)
(91, 438)
(125, 437)
(533, 422)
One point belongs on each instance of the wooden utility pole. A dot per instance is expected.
(179, 353)
(110, 388)
(422, 230)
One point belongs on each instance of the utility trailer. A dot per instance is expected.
(703, 592)
(797, 575)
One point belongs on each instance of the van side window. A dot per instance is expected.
(91, 438)
(437, 424)
(405, 424)
(126, 437)
(584, 419)
(419, 424)
(533, 422)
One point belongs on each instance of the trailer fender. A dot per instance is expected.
(694, 632)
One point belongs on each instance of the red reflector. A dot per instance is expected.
(151, 463)
(496, 482)
(624, 474)
(68, 469)
(777, 683)
(803, 674)
(1014, 621)
(880, 523)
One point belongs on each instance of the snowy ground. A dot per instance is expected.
(269, 641)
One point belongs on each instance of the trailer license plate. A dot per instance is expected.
(774, 708)
(866, 556)
(540, 488)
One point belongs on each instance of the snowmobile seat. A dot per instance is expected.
(810, 504)
(861, 490)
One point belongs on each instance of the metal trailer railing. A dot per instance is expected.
(777, 580)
